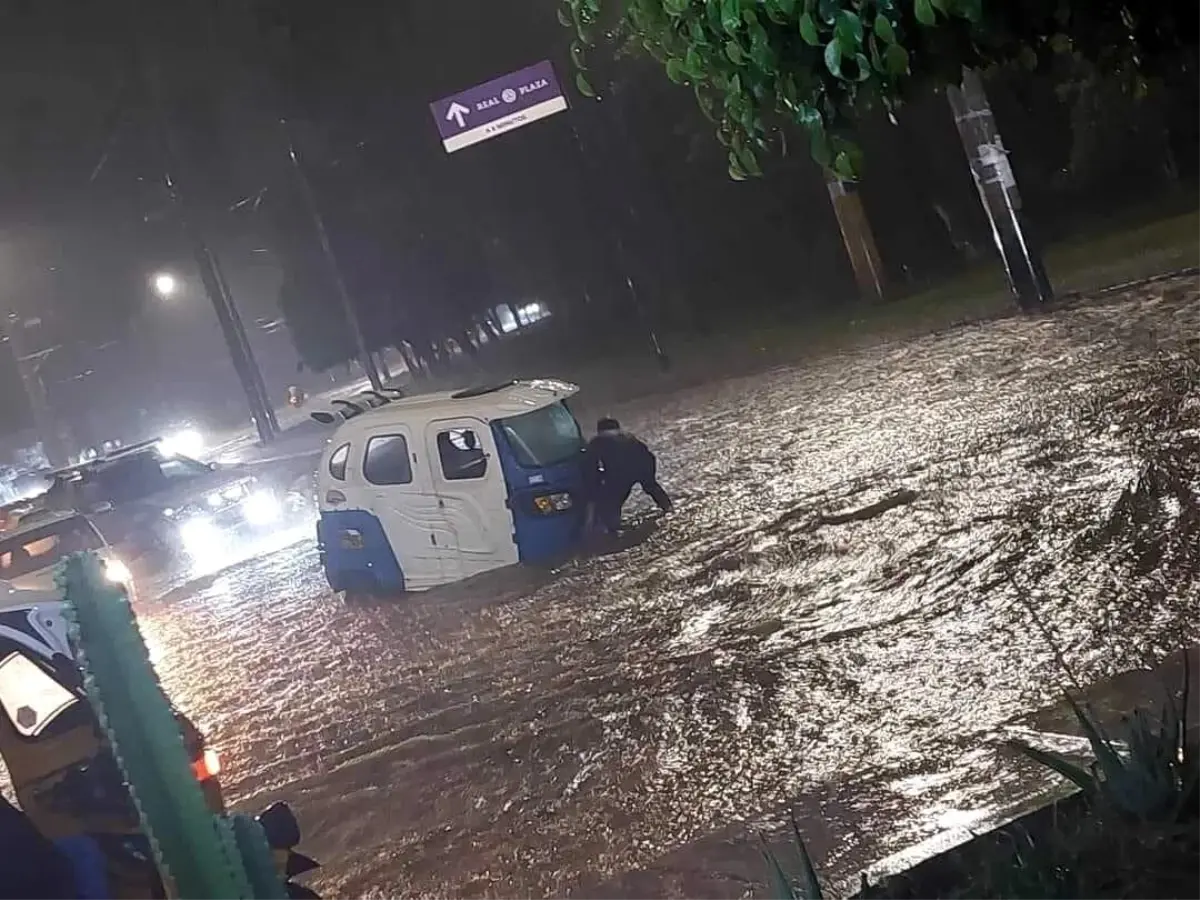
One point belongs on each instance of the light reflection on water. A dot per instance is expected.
(774, 641)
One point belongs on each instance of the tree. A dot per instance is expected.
(759, 66)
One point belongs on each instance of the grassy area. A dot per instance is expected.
(1080, 265)
(614, 371)
(1077, 266)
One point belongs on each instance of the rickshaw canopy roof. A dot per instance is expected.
(486, 403)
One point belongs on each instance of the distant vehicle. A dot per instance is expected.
(419, 492)
(32, 550)
(12, 513)
(146, 501)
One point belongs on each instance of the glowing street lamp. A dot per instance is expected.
(165, 285)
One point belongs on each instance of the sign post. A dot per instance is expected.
(503, 104)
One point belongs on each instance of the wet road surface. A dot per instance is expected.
(875, 561)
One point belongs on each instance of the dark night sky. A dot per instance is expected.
(84, 218)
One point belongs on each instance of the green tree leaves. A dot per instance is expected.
(849, 29)
(833, 58)
(768, 65)
(584, 86)
(885, 30)
(808, 30)
(895, 59)
(759, 66)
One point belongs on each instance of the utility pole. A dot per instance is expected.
(230, 321)
(997, 188)
(240, 353)
(239, 330)
(365, 359)
(29, 368)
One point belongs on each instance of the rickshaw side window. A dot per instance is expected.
(30, 697)
(386, 460)
(461, 455)
(337, 462)
(545, 437)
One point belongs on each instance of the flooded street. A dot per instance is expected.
(840, 616)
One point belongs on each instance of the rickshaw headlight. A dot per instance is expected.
(547, 504)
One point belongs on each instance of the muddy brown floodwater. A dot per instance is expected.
(839, 617)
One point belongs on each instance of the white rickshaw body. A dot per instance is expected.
(417, 492)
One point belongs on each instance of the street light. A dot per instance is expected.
(165, 284)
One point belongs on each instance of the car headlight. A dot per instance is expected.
(200, 536)
(552, 503)
(188, 442)
(117, 572)
(262, 508)
(215, 499)
(234, 492)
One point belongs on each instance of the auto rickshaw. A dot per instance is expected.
(418, 492)
(65, 777)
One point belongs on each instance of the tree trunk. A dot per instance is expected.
(857, 236)
(415, 368)
(468, 345)
(491, 324)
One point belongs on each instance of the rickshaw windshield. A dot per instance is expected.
(544, 437)
(39, 548)
(30, 696)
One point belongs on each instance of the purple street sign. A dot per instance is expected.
(500, 105)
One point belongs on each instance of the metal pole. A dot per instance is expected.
(235, 338)
(240, 353)
(360, 344)
(997, 188)
(239, 330)
(28, 367)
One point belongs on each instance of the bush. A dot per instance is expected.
(1132, 830)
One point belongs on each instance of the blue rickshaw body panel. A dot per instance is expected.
(369, 567)
(541, 537)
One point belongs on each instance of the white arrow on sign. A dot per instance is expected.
(456, 112)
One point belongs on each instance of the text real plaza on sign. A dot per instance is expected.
(502, 104)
